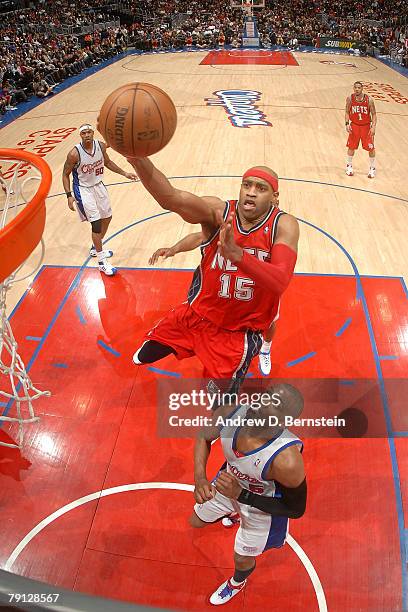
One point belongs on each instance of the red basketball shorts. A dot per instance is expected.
(223, 353)
(360, 132)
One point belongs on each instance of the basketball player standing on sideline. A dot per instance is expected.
(86, 161)
(191, 242)
(361, 122)
(263, 480)
(248, 259)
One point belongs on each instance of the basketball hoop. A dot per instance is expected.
(22, 221)
(247, 8)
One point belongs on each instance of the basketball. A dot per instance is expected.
(137, 120)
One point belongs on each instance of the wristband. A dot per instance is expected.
(68, 194)
(245, 497)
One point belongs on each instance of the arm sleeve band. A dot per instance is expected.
(274, 276)
(292, 503)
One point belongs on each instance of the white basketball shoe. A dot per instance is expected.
(106, 268)
(349, 170)
(226, 592)
(371, 173)
(93, 253)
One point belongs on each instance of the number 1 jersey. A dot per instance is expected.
(224, 295)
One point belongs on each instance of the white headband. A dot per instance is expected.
(86, 126)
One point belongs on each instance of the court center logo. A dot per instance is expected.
(240, 107)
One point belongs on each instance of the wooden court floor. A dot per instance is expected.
(344, 317)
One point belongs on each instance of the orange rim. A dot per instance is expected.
(20, 237)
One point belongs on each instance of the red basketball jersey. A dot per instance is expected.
(221, 293)
(359, 112)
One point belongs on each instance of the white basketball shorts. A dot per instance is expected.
(257, 532)
(92, 202)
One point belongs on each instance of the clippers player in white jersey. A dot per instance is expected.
(87, 161)
(361, 123)
(263, 479)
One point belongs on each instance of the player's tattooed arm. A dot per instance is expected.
(70, 163)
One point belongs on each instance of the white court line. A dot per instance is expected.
(175, 486)
(252, 55)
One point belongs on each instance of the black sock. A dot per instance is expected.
(153, 351)
(241, 575)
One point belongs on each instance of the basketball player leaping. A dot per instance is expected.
(361, 123)
(263, 479)
(86, 161)
(191, 242)
(248, 259)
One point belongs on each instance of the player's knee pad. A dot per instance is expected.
(96, 226)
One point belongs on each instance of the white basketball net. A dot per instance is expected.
(16, 388)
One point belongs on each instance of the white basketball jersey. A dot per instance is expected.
(250, 469)
(89, 170)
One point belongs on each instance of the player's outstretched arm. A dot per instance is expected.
(191, 208)
(114, 167)
(188, 243)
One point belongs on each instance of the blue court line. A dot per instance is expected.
(157, 268)
(388, 357)
(300, 359)
(404, 286)
(3, 404)
(406, 545)
(25, 292)
(343, 328)
(60, 365)
(346, 382)
(400, 434)
(34, 338)
(386, 410)
(108, 348)
(164, 372)
(80, 315)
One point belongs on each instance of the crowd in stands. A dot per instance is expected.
(45, 43)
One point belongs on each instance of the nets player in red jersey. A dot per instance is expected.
(361, 122)
(191, 242)
(248, 258)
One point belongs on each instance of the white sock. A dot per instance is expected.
(266, 347)
(234, 583)
(372, 162)
(350, 160)
(100, 256)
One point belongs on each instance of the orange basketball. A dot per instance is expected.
(137, 119)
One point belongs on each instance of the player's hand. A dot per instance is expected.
(348, 128)
(226, 242)
(228, 485)
(204, 491)
(163, 252)
(371, 132)
(131, 176)
(71, 202)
